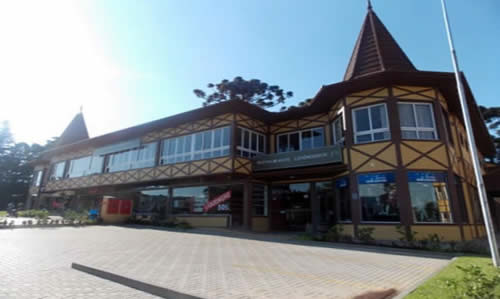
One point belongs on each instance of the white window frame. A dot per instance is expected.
(131, 162)
(300, 139)
(370, 132)
(190, 156)
(241, 148)
(340, 116)
(417, 129)
(52, 173)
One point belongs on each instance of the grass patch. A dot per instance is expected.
(3, 213)
(436, 287)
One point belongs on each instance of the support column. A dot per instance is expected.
(315, 208)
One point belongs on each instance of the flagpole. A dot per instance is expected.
(472, 147)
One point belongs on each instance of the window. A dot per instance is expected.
(461, 199)
(58, 171)
(371, 124)
(429, 197)
(141, 157)
(37, 178)
(377, 192)
(202, 145)
(301, 140)
(79, 167)
(189, 200)
(343, 200)
(259, 198)
(446, 120)
(249, 143)
(417, 121)
(338, 130)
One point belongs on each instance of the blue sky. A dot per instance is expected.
(129, 62)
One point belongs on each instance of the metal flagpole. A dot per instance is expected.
(472, 147)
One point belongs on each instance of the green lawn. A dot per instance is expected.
(3, 213)
(436, 287)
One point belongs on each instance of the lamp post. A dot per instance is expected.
(472, 146)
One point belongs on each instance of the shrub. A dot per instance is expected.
(24, 223)
(30, 222)
(407, 235)
(365, 234)
(39, 214)
(183, 225)
(334, 234)
(475, 283)
(433, 242)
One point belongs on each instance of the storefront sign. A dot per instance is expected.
(318, 156)
(341, 183)
(376, 178)
(430, 177)
(216, 201)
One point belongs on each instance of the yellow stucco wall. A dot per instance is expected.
(203, 221)
(260, 224)
(383, 232)
(446, 232)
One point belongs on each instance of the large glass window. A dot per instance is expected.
(371, 124)
(377, 192)
(301, 140)
(58, 171)
(79, 167)
(429, 197)
(202, 145)
(189, 200)
(338, 130)
(131, 159)
(249, 143)
(259, 198)
(325, 194)
(37, 178)
(343, 200)
(417, 121)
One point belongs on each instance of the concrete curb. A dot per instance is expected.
(132, 283)
(414, 287)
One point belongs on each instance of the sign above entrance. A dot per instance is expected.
(317, 156)
(376, 178)
(428, 177)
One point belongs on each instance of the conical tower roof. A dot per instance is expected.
(75, 131)
(376, 50)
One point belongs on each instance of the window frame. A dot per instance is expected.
(132, 156)
(240, 147)
(339, 118)
(372, 131)
(417, 129)
(52, 176)
(190, 156)
(300, 139)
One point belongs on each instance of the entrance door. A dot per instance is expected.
(325, 194)
(294, 203)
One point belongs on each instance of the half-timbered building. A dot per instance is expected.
(382, 148)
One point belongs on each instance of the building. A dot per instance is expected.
(384, 147)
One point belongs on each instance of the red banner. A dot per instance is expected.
(216, 201)
(125, 206)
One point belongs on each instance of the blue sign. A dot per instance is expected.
(376, 178)
(427, 177)
(341, 183)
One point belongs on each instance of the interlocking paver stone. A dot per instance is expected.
(35, 263)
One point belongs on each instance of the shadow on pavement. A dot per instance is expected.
(290, 238)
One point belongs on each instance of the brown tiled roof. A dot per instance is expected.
(75, 131)
(376, 50)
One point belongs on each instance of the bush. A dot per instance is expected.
(407, 235)
(30, 222)
(183, 225)
(364, 234)
(433, 242)
(475, 283)
(39, 214)
(334, 234)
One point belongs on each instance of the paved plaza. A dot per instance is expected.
(36, 263)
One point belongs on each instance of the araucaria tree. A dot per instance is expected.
(253, 91)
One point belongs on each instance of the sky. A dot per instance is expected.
(127, 62)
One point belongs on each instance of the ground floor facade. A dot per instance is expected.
(277, 201)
